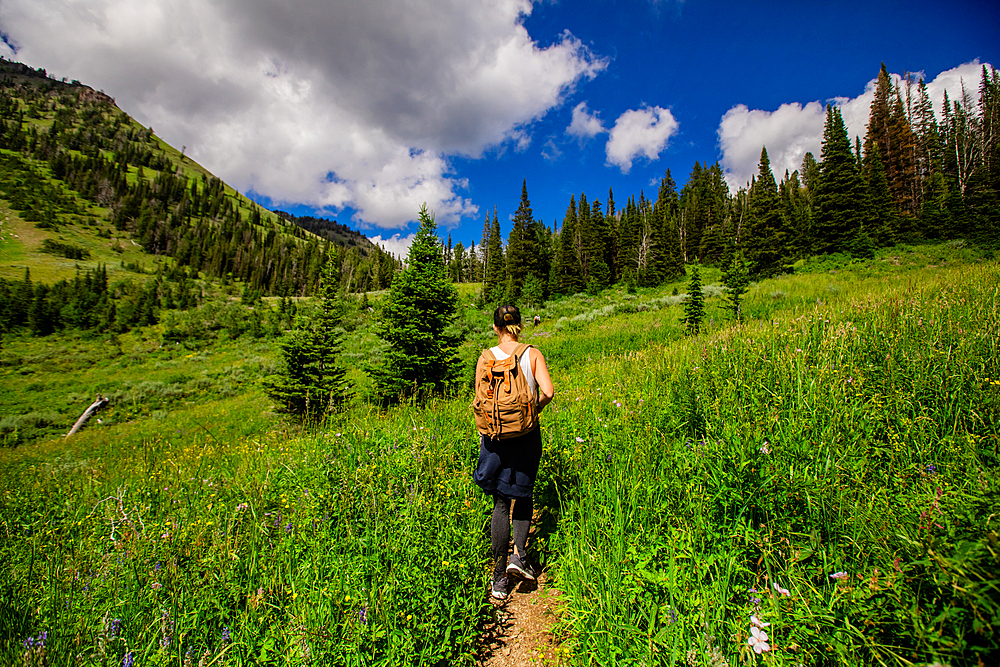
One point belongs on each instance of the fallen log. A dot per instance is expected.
(87, 414)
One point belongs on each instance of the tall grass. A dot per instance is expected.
(851, 428)
(858, 440)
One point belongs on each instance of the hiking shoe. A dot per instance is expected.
(518, 566)
(499, 591)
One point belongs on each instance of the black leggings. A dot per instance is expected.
(500, 525)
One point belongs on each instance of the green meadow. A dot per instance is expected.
(828, 468)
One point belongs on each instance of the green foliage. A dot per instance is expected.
(768, 237)
(567, 273)
(533, 292)
(694, 304)
(736, 278)
(312, 383)
(839, 197)
(851, 428)
(522, 246)
(413, 319)
(495, 280)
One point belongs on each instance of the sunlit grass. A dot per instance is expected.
(851, 426)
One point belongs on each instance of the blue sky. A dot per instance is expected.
(360, 111)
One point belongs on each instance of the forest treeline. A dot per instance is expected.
(65, 148)
(913, 176)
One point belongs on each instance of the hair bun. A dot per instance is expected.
(507, 317)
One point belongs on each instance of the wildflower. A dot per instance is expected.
(931, 469)
(225, 635)
(116, 626)
(128, 659)
(759, 623)
(288, 528)
(765, 449)
(167, 629)
(241, 507)
(758, 640)
(783, 591)
(579, 439)
(363, 616)
(838, 575)
(156, 585)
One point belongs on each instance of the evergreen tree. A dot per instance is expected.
(629, 238)
(567, 270)
(313, 383)
(736, 279)
(694, 304)
(420, 305)
(666, 210)
(794, 214)
(881, 213)
(522, 248)
(838, 199)
(766, 239)
(495, 280)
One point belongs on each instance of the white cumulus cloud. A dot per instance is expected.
(793, 129)
(584, 125)
(787, 133)
(398, 245)
(327, 104)
(639, 132)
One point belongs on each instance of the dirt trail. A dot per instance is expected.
(521, 634)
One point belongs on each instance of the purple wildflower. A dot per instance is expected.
(128, 660)
(116, 626)
(225, 635)
(166, 628)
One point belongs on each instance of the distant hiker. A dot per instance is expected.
(512, 387)
(537, 320)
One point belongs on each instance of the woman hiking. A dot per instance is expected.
(510, 447)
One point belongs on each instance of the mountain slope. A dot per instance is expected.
(82, 181)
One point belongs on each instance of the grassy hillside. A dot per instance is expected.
(829, 467)
(84, 185)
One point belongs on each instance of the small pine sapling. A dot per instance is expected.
(736, 278)
(313, 383)
(694, 304)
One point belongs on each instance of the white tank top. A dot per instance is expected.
(525, 364)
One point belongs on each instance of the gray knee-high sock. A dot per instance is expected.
(500, 534)
(523, 509)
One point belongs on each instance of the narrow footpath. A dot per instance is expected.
(521, 633)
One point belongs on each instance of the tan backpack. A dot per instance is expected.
(504, 406)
